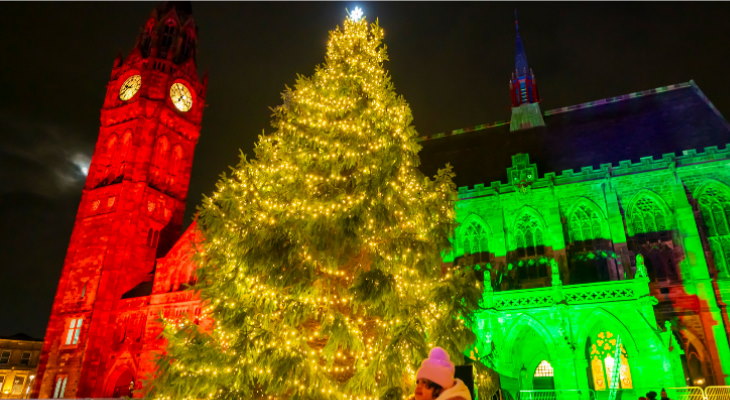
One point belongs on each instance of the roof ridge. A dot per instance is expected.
(560, 110)
(619, 98)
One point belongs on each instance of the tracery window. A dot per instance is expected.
(528, 236)
(584, 223)
(648, 216)
(168, 32)
(475, 239)
(715, 207)
(544, 369)
(589, 249)
(602, 354)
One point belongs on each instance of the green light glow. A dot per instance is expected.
(618, 250)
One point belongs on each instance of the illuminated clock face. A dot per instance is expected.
(130, 87)
(181, 97)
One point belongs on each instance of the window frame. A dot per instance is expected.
(72, 333)
(17, 387)
(59, 387)
(23, 358)
(2, 356)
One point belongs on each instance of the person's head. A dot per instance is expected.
(435, 375)
(427, 390)
(651, 395)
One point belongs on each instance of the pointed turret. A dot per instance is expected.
(526, 111)
(170, 33)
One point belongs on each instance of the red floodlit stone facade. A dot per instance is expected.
(127, 263)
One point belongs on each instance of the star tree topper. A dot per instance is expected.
(356, 14)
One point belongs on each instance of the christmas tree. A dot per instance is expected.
(321, 265)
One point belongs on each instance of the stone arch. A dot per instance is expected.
(474, 235)
(708, 184)
(160, 158)
(162, 148)
(117, 382)
(121, 158)
(647, 213)
(528, 217)
(527, 343)
(600, 321)
(593, 213)
(111, 142)
(105, 159)
(600, 317)
(713, 200)
(187, 43)
(650, 224)
(588, 244)
(176, 165)
(169, 30)
(689, 341)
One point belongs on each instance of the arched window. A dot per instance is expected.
(544, 369)
(714, 204)
(584, 223)
(187, 45)
(543, 377)
(589, 249)
(647, 216)
(176, 166)
(104, 161)
(606, 371)
(168, 33)
(121, 157)
(475, 239)
(144, 45)
(528, 235)
(160, 160)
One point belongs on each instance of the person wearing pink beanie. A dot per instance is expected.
(435, 379)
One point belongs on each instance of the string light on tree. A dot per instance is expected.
(321, 263)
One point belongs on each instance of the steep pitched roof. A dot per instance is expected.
(668, 119)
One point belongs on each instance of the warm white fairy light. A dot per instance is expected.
(322, 253)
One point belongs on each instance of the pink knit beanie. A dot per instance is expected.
(437, 368)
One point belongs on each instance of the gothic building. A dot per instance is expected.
(123, 266)
(602, 231)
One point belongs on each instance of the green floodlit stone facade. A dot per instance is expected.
(574, 260)
(605, 248)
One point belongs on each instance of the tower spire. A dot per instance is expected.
(170, 33)
(521, 66)
(526, 111)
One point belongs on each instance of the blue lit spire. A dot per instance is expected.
(520, 56)
(526, 112)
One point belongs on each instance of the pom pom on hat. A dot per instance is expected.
(437, 368)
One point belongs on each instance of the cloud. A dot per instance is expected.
(41, 158)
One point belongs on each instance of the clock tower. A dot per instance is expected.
(131, 208)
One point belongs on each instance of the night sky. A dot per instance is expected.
(451, 62)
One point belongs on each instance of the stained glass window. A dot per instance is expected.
(603, 362)
(648, 216)
(584, 223)
(715, 207)
(475, 239)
